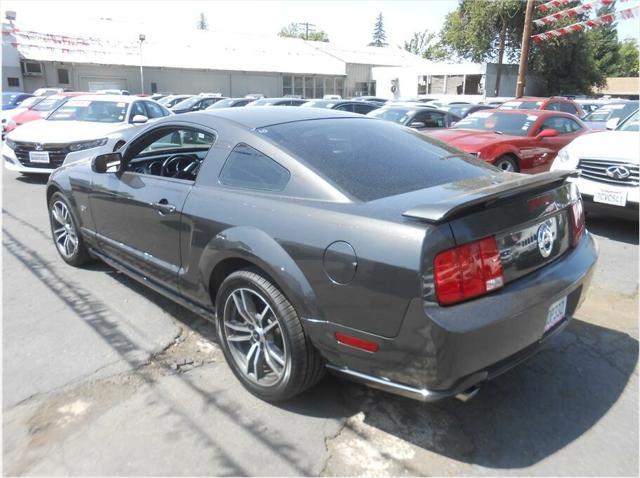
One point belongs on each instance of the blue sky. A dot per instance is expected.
(346, 22)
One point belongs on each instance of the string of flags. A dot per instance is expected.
(571, 12)
(581, 26)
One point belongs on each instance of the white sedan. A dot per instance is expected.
(100, 123)
(608, 162)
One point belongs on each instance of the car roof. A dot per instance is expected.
(258, 117)
(99, 97)
(531, 112)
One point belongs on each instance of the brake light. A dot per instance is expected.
(467, 271)
(577, 222)
(356, 342)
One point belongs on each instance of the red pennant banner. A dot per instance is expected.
(571, 12)
(581, 26)
(545, 7)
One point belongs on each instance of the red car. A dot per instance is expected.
(555, 103)
(513, 140)
(40, 109)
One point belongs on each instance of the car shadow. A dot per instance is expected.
(516, 420)
(613, 228)
(33, 178)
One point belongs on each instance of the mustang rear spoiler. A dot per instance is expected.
(454, 199)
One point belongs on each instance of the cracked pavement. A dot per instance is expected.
(104, 377)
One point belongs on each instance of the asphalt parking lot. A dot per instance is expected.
(104, 377)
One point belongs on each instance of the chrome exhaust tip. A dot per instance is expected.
(468, 394)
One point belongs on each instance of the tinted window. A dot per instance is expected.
(431, 119)
(373, 159)
(396, 115)
(517, 124)
(154, 110)
(363, 109)
(50, 103)
(520, 105)
(632, 123)
(561, 125)
(249, 168)
(137, 108)
(346, 107)
(567, 108)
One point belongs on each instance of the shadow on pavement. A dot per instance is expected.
(33, 178)
(515, 421)
(614, 229)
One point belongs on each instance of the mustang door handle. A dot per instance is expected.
(163, 207)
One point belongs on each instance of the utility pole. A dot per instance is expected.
(524, 53)
(308, 28)
(141, 37)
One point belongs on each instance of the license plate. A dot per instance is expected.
(39, 156)
(616, 198)
(557, 312)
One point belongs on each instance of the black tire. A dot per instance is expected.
(80, 254)
(507, 163)
(304, 365)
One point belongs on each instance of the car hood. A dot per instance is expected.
(43, 131)
(620, 145)
(469, 140)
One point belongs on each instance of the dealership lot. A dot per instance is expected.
(102, 376)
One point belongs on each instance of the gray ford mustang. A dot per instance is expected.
(321, 239)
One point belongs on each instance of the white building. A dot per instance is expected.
(108, 55)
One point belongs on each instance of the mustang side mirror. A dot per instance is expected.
(612, 123)
(547, 133)
(103, 162)
(417, 125)
(139, 119)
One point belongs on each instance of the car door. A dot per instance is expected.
(567, 128)
(137, 212)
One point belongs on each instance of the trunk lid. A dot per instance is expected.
(529, 216)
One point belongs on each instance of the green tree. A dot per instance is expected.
(202, 22)
(629, 61)
(379, 35)
(603, 42)
(426, 45)
(480, 30)
(295, 30)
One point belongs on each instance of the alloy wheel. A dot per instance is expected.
(64, 232)
(254, 337)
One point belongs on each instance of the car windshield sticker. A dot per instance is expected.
(538, 103)
(513, 103)
(481, 114)
(121, 118)
(613, 107)
(121, 105)
(531, 118)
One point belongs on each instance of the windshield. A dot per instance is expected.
(521, 105)
(29, 102)
(10, 98)
(397, 115)
(94, 111)
(373, 159)
(188, 103)
(49, 103)
(607, 112)
(516, 124)
(632, 123)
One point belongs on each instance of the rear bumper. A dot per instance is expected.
(442, 351)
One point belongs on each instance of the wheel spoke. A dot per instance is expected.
(239, 338)
(272, 351)
(270, 326)
(250, 359)
(258, 363)
(241, 307)
(58, 233)
(271, 363)
(56, 214)
(237, 327)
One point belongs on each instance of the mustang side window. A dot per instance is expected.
(248, 168)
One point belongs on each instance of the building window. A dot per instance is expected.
(340, 87)
(286, 86)
(63, 76)
(319, 88)
(13, 82)
(297, 86)
(308, 87)
(154, 87)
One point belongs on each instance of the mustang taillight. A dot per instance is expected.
(577, 222)
(467, 271)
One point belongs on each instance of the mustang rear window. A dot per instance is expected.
(370, 159)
